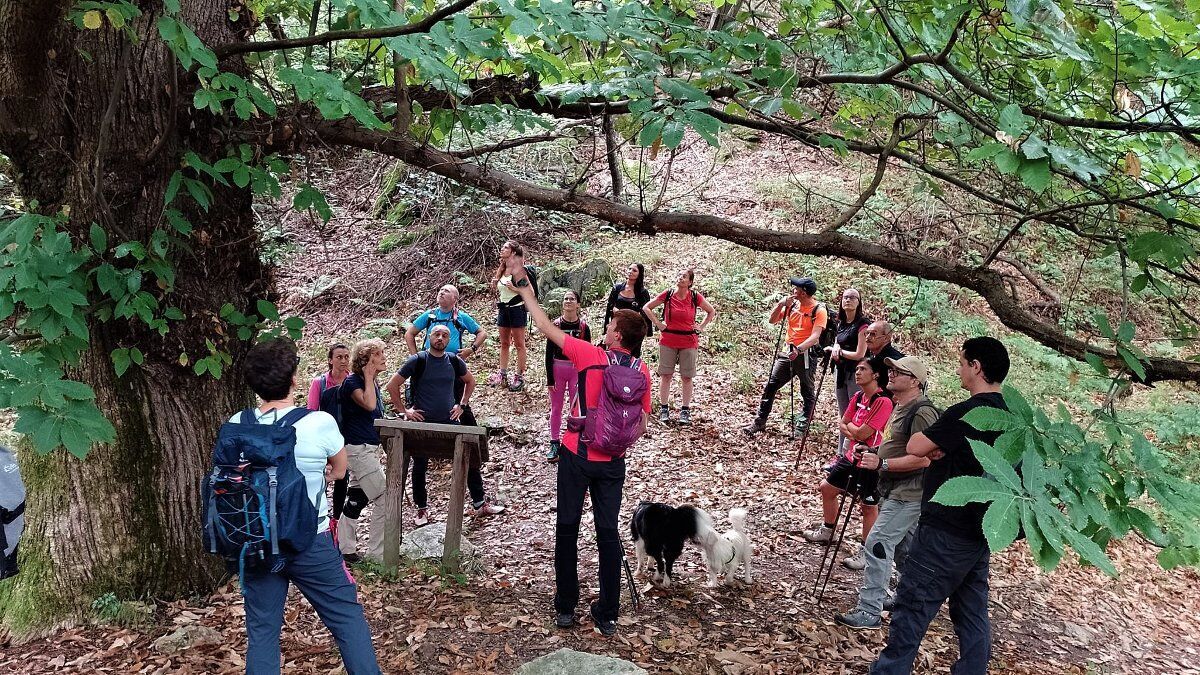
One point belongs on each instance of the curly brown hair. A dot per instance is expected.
(362, 353)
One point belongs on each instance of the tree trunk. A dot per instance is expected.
(91, 107)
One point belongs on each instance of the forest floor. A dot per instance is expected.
(1074, 620)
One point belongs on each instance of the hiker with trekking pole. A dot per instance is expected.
(805, 321)
(857, 484)
(863, 425)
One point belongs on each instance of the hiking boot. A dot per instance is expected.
(801, 425)
(858, 619)
(758, 426)
(664, 414)
(685, 415)
(552, 453)
(518, 383)
(564, 620)
(488, 508)
(498, 379)
(889, 603)
(422, 518)
(858, 561)
(819, 535)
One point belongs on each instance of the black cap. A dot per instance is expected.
(806, 283)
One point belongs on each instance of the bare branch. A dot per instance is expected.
(506, 145)
(989, 284)
(880, 169)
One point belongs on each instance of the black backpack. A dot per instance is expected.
(829, 333)
(532, 273)
(331, 399)
(12, 507)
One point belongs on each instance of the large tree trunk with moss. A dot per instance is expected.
(97, 123)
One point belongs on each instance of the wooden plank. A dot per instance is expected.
(389, 427)
(454, 518)
(393, 502)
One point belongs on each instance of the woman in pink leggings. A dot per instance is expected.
(562, 379)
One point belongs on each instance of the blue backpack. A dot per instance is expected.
(257, 512)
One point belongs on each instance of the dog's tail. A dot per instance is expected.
(703, 523)
(737, 518)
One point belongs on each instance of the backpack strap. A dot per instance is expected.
(418, 372)
(912, 416)
(9, 515)
(249, 416)
(292, 417)
(324, 382)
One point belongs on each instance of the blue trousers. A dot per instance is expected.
(321, 576)
(940, 566)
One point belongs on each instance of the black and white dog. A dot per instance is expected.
(659, 531)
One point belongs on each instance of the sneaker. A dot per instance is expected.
(518, 383)
(801, 425)
(422, 518)
(685, 415)
(488, 508)
(664, 414)
(758, 426)
(819, 535)
(889, 603)
(564, 620)
(552, 453)
(498, 379)
(858, 561)
(607, 628)
(859, 619)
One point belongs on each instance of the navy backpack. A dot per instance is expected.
(257, 512)
(331, 399)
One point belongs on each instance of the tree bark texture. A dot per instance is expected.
(91, 121)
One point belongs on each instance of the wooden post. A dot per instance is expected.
(393, 502)
(458, 486)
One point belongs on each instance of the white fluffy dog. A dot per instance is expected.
(723, 553)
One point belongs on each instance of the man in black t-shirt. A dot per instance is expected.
(948, 558)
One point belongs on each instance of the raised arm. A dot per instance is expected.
(543, 322)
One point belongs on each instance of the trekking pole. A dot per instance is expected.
(633, 597)
(829, 550)
(841, 535)
(826, 366)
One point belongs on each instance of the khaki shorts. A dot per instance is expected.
(669, 357)
(366, 471)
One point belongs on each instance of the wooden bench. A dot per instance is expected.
(404, 440)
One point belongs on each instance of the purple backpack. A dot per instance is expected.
(615, 423)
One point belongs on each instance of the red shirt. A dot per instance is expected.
(582, 355)
(874, 413)
(679, 313)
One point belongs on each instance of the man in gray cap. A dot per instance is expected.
(901, 478)
(805, 318)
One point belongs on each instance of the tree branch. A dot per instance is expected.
(505, 145)
(422, 26)
(989, 284)
(880, 169)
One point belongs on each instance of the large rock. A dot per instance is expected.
(187, 637)
(592, 280)
(570, 662)
(426, 542)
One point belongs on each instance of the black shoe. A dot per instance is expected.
(606, 628)
(351, 558)
(566, 620)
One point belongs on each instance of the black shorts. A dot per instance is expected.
(846, 477)
(512, 316)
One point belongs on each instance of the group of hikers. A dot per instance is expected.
(895, 449)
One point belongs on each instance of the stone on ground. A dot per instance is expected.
(570, 662)
(426, 542)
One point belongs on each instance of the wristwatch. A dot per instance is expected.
(883, 465)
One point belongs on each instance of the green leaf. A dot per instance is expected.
(1096, 363)
(1001, 523)
(99, 238)
(1007, 161)
(967, 489)
(995, 465)
(1132, 361)
(267, 310)
(673, 133)
(1013, 121)
(1035, 174)
(75, 439)
(173, 187)
(993, 419)
(120, 359)
(1088, 551)
(1102, 324)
